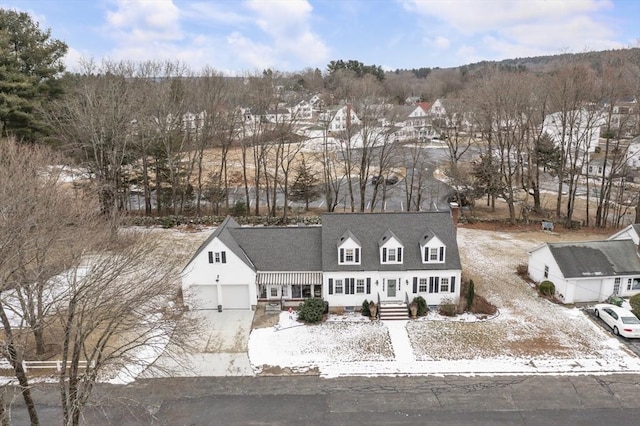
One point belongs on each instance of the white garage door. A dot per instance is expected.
(203, 297)
(235, 297)
(587, 290)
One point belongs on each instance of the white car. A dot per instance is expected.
(622, 322)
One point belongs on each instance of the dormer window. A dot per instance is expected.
(390, 248)
(433, 250)
(349, 249)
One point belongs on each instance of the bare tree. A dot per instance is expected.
(118, 305)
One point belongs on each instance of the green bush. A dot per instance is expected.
(634, 301)
(365, 308)
(422, 305)
(312, 310)
(547, 288)
(471, 293)
(239, 208)
(615, 300)
(448, 308)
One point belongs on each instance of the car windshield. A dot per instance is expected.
(630, 320)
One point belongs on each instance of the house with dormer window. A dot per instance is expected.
(385, 257)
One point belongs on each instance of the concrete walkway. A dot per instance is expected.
(400, 341)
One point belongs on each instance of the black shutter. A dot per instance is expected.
(368, 285)
(353, 285)
(415, 284)
(210, 257)
(330, 285)
(441, 254)
(224, 257)
(357, 255)
(430, 284)
(384, 254)
(399, 254)
(453, 284)
(426, 254)
(341, 255)
(436, 286)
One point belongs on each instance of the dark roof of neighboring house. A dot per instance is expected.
(596, 258)
(281, 248)
(368, 228)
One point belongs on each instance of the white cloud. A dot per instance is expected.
(438, 42)
(155, 15)
(479, 16)
(509, 28)
(287, 23)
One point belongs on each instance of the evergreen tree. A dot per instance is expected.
(30, 64)
(305, 187)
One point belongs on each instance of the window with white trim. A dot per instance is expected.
(274, 291)
(217, 257)
(433, 253)
(391, 255)
(546, 271)
(339, 289)
(629, 281)
(444, 285)
(360, 286)
(422, 287)
(348, 255)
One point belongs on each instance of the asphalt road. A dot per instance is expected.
(520, 400)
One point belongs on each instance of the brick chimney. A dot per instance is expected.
(454, 215)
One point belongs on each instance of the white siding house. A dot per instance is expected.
(386, 257)
(587, 271)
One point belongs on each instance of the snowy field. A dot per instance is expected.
(530, 335)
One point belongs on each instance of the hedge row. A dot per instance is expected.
(173, 221)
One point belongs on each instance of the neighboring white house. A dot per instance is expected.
(576, 129)
(339, 118)
(631, 232)
(633, 153)
(587, 271)
(390, 257)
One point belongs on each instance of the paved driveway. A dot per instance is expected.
(221, 347)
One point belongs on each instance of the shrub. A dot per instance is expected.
(448, 308)
(634, 301)
(471, 293)
(522, 270)
(365, 308)
(312, 310)
(615, 300)
(239, 208)
(422, 305)
(547, 288)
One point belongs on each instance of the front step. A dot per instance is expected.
(393, 312)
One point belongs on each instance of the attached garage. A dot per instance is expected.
(235, 297)
(203, 297)
(587, 290)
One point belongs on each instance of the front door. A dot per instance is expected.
(391, 288)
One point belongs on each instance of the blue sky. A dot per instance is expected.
(237, 36)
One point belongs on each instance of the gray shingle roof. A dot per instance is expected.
(281, 248)
(596, 258)
(409, 228)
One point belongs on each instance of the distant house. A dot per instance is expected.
(338, 118)
(633, 154)
(302, 110)
(587, 271)
(576, 129)
(386, 257)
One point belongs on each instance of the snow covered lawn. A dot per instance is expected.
(529, 336)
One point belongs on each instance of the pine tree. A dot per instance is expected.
(305, 186)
